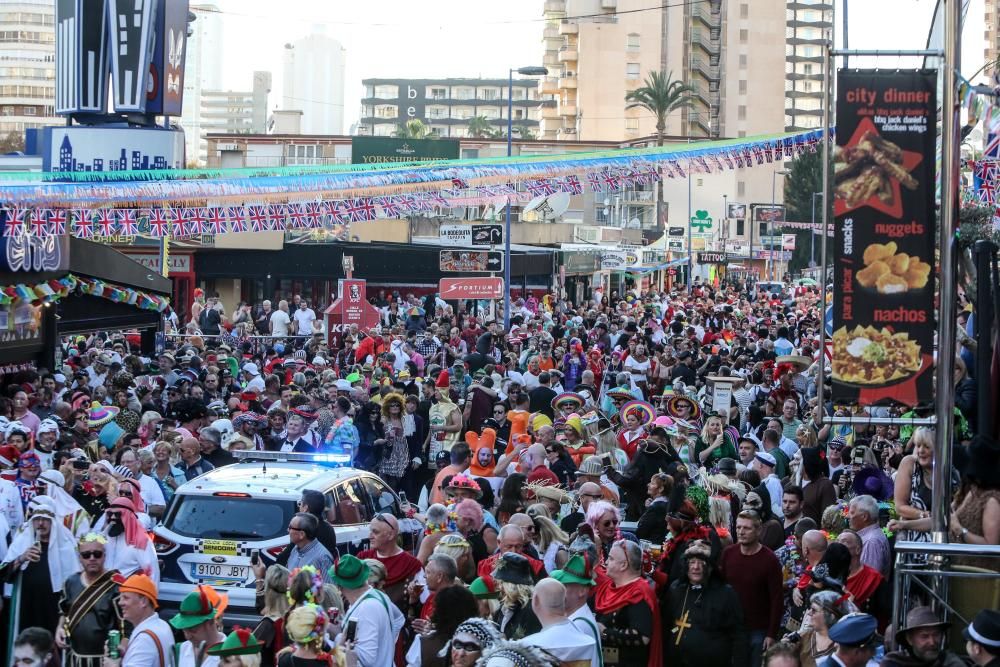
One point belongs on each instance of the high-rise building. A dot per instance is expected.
(202, 71)
(313, 82)
(235, 112)
(808, 26)
(992, 50)
(448, 106)
(27, 66)
(727, 50)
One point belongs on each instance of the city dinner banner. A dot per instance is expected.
(884, 237)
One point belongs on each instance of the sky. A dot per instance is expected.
(450, 38)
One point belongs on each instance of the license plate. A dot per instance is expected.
(225, 572)
(218, 547)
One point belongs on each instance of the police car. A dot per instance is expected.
(216, 522)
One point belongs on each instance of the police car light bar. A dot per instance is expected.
(324, 459)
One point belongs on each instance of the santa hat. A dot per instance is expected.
(442, 381)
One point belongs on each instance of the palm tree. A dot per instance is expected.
(481, 127)
(414, 129)
(524, 132)
(660, 96)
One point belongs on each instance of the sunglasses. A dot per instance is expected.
(468, 647)
(609, 523)
(87, 555)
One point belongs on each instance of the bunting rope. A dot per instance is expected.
(182, 203)
(50, 291)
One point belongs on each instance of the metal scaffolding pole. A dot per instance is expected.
(824, 221)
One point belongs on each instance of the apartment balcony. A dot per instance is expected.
(549, 85)
(568, 55)
(638, 197)
(550, 113)
(569, 28)
(567, 82)
(554, 6)
(567, 110)
(551, 32)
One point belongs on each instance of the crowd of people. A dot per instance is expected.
(587, 498)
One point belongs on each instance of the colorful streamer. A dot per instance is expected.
(51, 291)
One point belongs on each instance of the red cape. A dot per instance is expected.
(485, 567)
(398, 568)
(609, 599)
(862, 585)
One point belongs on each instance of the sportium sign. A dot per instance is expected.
(376, 150)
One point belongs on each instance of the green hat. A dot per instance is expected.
(484, 588)
(195, 609)
(576, 571)
(240, 641)
(349, 572)
(353, 377)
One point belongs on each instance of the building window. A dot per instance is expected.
(741, 227)
(743, 86)
(29, 111)
(464, 94)
(386, 92)
(386, 111)
(743, 61)
(807, 68)
(489, 94)
(807, 86)
(518, 93)
(744, 35)
(744, 10)
(631, 124)
(632, 71)
(741, 112)
(741, 189)
(439, 93)
(518, 114)
(632, 41)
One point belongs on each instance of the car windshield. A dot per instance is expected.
(229, 518)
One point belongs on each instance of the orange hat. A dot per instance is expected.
(142, 585)
(217, 600)
(443, 381)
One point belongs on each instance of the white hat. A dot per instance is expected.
(16, 427)
(223, 426)
(53, 476)
(318, 361)
(342, 385)
(60, 378)
(766, 459)
(48, 426)
(251, 368)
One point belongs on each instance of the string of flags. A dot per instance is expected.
(50, 291)
(333, 200)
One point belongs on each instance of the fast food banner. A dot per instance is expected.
(884, 171)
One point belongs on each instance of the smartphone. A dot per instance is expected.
(255, 557)
(352, 630)
(334, 615)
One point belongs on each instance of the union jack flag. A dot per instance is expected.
(704, 165)
(338, 212)
(14, 224)
(539, 187)
(258, 218)
(992, 149)
(129, 223)
(57, 222)
(276, 216)
(236, 221)
(391, 206)
(800, 146)
(297, 215)
(610, 180)
(83, 224)
(38, 221)
(594, 180)
(987, 192)
(811, 145)
(159, 224)
(216, 220)
(106, 222)
(314, 215)
(196, 219)
(728, 159)
(789, 146)
(676, 166)
(178, 222)
(361, 209)
(572, 185)
(758, 154)
(738, 156)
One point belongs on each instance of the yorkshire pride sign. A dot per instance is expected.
(376, 150)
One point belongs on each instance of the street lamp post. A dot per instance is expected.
(770, 223)
(523, 71)
(812, 232)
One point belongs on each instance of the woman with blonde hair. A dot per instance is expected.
(912, 491)
(376, 573)
(306, 627)
(458, 547)
(551, 540)
(805, 436)
(164, 471)
(395, 448)
(272, 594)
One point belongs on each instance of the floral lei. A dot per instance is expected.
(314, 590)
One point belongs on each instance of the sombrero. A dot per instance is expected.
(552, 492)
(568, 397)
(643, 411)
(100, 415)
(621, 393)
(463, 483)
(672, 403)
(798, 362)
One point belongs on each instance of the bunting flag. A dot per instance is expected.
(183, 203)
(50, 291)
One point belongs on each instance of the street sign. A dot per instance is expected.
(470, 288)
(459, 235)
(788, 241)
(711, 258)
(487, 235)
(676, 231)
(471, 261)
(675, 246)
(701, 222)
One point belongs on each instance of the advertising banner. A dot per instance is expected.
(471, 261)
(471, 288)
(375, 150)
(884, 237)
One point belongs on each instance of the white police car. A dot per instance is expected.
(216, 522)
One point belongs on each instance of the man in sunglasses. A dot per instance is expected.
(88, 606)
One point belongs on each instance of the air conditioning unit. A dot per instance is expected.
(588, 234)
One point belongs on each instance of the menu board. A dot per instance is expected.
(884, 237)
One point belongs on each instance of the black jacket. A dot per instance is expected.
(716, 637)
(653, 523)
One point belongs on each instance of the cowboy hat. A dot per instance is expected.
(920, 617)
